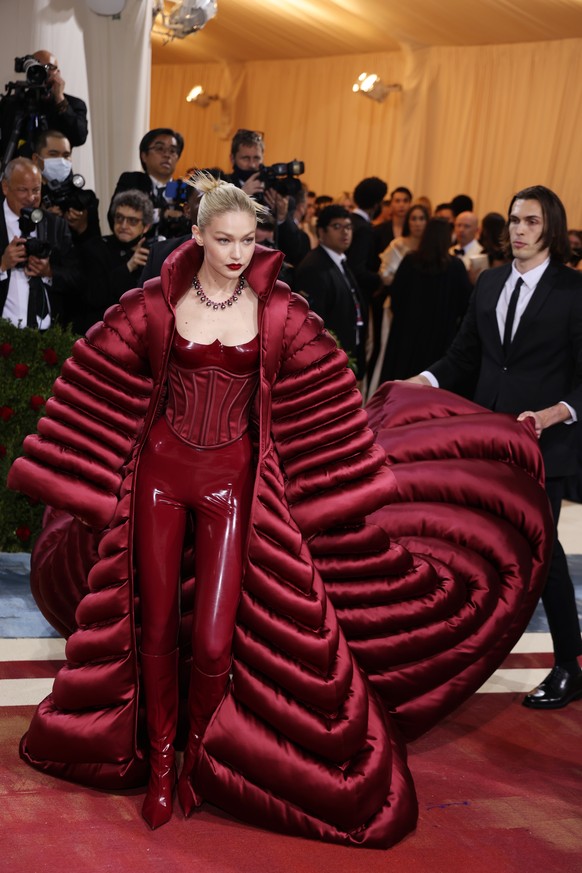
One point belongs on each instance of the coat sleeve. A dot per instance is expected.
(92, 419)
(335, 473)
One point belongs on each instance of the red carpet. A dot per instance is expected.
(500, 791)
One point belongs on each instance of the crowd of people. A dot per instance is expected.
(489, 308)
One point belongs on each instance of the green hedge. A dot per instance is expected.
(30, 361)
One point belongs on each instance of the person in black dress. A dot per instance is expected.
(429, 297)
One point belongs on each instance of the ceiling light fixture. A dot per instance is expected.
(177, 19)
(199, 96)
(371, 85)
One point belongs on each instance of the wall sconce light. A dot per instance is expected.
(199, 96)
(371, 85)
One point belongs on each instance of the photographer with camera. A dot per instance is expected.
(63, 191)
(112, 264)
(276, 186)
(39, 271)
(159, 151)
(38, 103)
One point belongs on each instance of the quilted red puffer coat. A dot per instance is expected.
(337, 622)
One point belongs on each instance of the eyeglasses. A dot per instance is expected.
(118, 218)
(337, 226)
(161, 149)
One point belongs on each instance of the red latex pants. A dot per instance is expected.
(215, 484)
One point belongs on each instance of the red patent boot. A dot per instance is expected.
(160, 681)
(206, 692)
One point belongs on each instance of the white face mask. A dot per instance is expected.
(57, 169)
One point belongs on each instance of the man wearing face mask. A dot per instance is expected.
(39, 270)
(77, 205)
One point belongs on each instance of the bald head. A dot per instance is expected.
(45, 57)
(21, 184)
(466, 226)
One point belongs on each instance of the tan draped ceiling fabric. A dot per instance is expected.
(481, 111)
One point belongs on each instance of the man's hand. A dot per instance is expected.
(253, 185)
(78, 220)
(278, 204)
(57, 86)
(544, 418)
(13, 255)
(418, 380)
(139, 257)
(38, 267)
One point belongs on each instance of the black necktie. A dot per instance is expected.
(511, 315)
(37, 302)
(459, 251)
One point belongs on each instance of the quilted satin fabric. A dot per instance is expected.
(340, 619)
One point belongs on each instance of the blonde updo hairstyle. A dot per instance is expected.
(219, 197)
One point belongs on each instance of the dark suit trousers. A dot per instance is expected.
(559, 598)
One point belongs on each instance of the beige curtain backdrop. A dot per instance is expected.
(483, 120)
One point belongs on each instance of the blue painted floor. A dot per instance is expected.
(19, 616)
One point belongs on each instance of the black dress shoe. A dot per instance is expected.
(558, 689)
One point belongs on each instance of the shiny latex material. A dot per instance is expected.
(301, 742)
(215, 484)
(210, 390)
(204, 696)
(160, 680)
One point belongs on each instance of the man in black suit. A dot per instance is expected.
(34, 289)
(521, 342)
(159, 151)
(363, 259)
(324, 278)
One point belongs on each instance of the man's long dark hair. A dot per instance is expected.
(554, 235)
(432, 254)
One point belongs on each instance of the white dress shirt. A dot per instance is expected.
(530, 283)
(16, 305)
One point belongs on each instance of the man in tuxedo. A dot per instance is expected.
(34, 288)
(521, 342)
(159, 151)
(324, 278)
(466, 245)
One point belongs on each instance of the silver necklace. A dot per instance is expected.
(205, 299)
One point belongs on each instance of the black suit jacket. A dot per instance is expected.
(158, 254)
(363, 258)
(322, 282)
(71, 121)
(544, 363)
(63, 259)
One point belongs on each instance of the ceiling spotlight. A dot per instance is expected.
(371, 85)
(199, 96)
(179, 18)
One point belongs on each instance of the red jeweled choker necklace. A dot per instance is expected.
(205, 299)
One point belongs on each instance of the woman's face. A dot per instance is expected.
(417, 223)
(229, 243)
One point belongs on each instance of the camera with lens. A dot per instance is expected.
(68, 194)
(283, 177)
(36, 248)
(37, 74)
(173, 199)
(25, 99)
